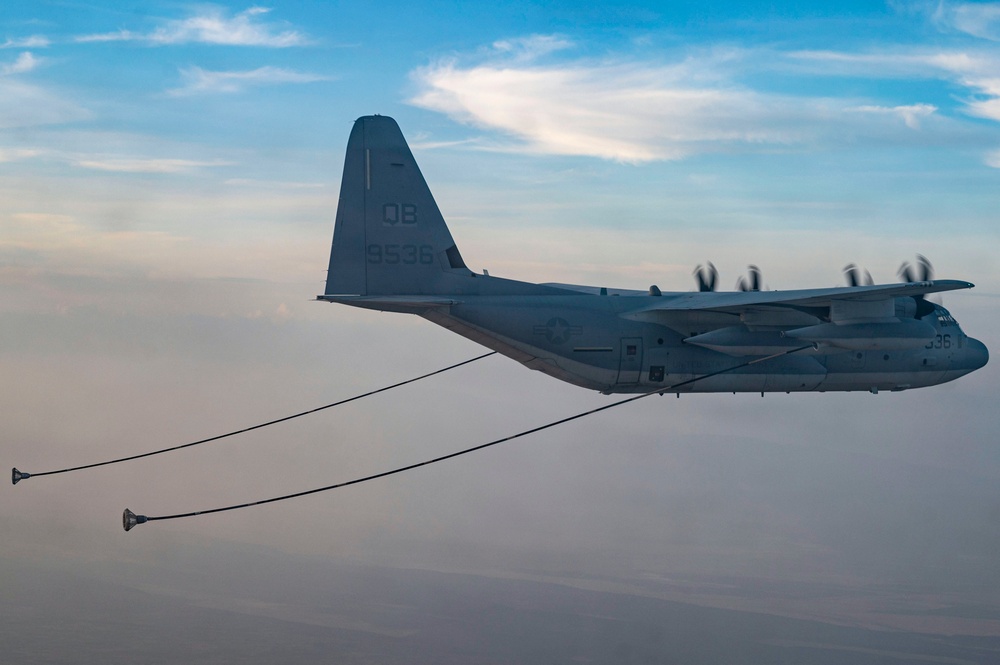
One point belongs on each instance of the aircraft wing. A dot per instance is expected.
(736, 301)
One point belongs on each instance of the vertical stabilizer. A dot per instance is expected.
(389, 237)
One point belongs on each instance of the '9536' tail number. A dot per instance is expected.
(408, 255)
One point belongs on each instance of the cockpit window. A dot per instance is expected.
(944, 318)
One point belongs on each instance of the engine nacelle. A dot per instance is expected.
(740, 341)
(905, 334)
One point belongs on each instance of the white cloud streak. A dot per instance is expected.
(978, 71)
(638, 111)
(17, 154)
(202, 81)
(643, 111)
(989, 107)
(980, 19)
(631, 112)
(910, 115)
(531, 47)
(34, 41)
(212, 26)
(143, 165)
(117, 36)
(24, 63)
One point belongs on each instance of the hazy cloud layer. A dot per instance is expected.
(15, 154)
(27, 105)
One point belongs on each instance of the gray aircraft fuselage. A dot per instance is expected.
(392, 251)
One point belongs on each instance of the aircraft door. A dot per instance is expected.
(631, 360)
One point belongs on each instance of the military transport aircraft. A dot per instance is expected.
(392, 251)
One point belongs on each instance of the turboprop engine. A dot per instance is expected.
(904, 334)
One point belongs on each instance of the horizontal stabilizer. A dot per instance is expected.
(406, 304)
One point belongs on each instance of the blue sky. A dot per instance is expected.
(877, 118)
(169, 177)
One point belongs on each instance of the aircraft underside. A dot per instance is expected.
(606, 353)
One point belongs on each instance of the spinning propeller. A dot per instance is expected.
(706, 276)
(854, 278)
(923, 271)
(751, 281)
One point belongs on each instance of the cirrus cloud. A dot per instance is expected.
(24, 63)
(198, 80)
(975, 70)
(910, 114)
(211, 26)
(633, 110)
(34, 41)
(143, 165)
(630, 112)
(18, 154)
(25, 105)
(979, 19)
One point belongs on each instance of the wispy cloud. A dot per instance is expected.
(34, 41)
(976, 70)
(117, 36)
(111, 162)
(904, 63)
(212, 26)
(198, 80)
(24, 63)
(623, 112)
(143, 165)
(635, 110)
(25, 105)
(979, 19)
(909, 114)
(420, 143)
(532, 46)
(273, 184)
(17, 154)
(988, 104)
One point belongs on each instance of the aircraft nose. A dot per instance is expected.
(976, 355)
